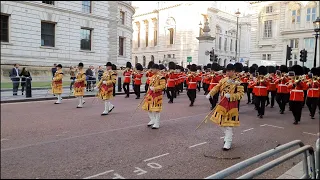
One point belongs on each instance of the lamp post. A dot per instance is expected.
(237, 14)
(316, 25)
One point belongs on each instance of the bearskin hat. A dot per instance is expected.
(150, 64)
(114, 67)
(255, 66)
(108, 64)
(298, 70)
(189, 66)
(208, 66)
(80, 64)
(172, 65)
(181, 68)
(262, 70)
(238, 67)
(315, 71)
(305, 70)
(224, 70)
(139, 67)
(177, 66)
(204, 67)
(161, 67)
(252, 69)
(284, 69)
(193, 67)
(215, 66)
(230, 67)
(155, 66)
(128, 65)
(271, 69)
(59, 65)
(199, 68)
(246, 69)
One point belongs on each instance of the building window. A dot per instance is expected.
(169, 55)
(220, 43)
(85, 43)
(266, 57)
(226, 32)
(122, 16)
(231, 45)
(311, 14)
(268, 29)
(269, 9)
(144, 62)
(294, 43)
(86, 6)
(155, 37)
(309, 43)
(225, 44)
(295, 16)
(171, 35)
(135, 60)
(48, 2)
(4, 28)
(47, 34)
(121, 46)
(173, 56)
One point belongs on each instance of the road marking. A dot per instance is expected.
(197, 144)
(248, 129)
(155, 157)
(222, 137)
(92, 134)
(311, 133)
(98, 174)
(4, 140)
(273, 126)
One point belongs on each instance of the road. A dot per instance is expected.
(43, 140)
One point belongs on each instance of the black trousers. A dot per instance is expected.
(146, 87)
(312, 104)
(249, 92)
(260, 102)
(296, 107)
(177, 87)
(136, 89)
(126, 88)
(213, 100)
(181, 87)
(305, 92)
(282, 100)
(245, 87)
(15, 87)
(171, 93)
(114, 89)
(199, 85)
(205, 88)
(273, 95)
(192, 94)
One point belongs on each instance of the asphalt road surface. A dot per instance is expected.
(43, 140)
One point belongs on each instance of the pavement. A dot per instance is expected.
(44, 140)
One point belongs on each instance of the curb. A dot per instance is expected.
(39, 88)
(53, 98)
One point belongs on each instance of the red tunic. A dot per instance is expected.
(260, 89)
(127, 76)
(137, 78)
(296, 93)
(192, 81)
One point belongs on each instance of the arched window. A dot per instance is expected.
(135, 60)
(170, 26)
(152, 58)
(144, 61)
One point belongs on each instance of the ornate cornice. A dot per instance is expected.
(157, 10)
(128, 6)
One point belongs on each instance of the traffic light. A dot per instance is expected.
(289, 53)
(303, 55)
(216, 58)
(212, 55)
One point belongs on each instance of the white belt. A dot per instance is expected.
(214, 83)
(317, 89)
(282, 85)
(137, 79)
(295, 90)
(260, 87)
(272, 83)
(192, 82)
(127, 76)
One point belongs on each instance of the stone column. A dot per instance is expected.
(205, 44)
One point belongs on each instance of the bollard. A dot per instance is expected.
(28, 87)
(119, 84)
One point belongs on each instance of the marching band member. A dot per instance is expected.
(252, 71)
(115, 74)
(179, 80)
(238, 70)
(282, 96)
(153, 99)
(80, 85)
(202, 77)
(226, 113)
(199, 73)
(192, 80)
(127, 78)
(57, 83)
(305, 90)
(260, 91)
(244, 79)
(149, 74)
(206, 80)
(313, 92)
(296, 86)
(214, 80)
(162, 71)
(272, 88)
(137, 79)
(105, 87)
(171, 82)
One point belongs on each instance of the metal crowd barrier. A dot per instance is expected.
(317, 159)
(303, 149)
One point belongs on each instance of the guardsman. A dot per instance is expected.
(296, 87)
(149, 74)
(115, 74)
(152, 102)
(206, 80)
(252, 71)
(137, 79)
(171, 78)
(80, 85)
(238, 70)
(282, 96)
(214, 80)
(313, 94)
(202, 77)
(192, 80)
(244, 79)
(199, 73)
(105, 87)
(226, 113)
(272, 88)
(127, 79)
(57, 83)
(261, 91)
(305, 90)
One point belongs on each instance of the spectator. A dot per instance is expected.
(24, 75)
(100, 73)
(72, 77)
(54, 69)
(89, 74)
(14, 76)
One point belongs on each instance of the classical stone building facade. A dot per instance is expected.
(40, 33)
(168, 32)
(276, 24)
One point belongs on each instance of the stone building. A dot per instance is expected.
(276, 24)
(168, 31)
(41, 33)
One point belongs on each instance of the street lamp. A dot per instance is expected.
(316, 25)
(237, 14)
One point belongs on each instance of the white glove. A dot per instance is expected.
(104, 82)
(227, 95)
(152, 88)
(95, 88)
(208, 96)
(53, 79)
